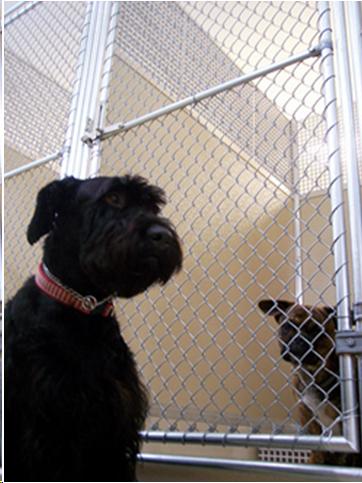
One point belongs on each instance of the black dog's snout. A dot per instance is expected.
(158, 234)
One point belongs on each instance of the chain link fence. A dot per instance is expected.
(247, 179)
(41, 49)
(246, 174)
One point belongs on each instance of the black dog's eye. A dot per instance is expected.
(155, 209)
(115, 199)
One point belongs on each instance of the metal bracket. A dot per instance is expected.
(348, 342)
(357, 312)
(88, 138)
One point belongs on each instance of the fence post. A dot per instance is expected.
(347, 372)
(78, 159)
(343, 71)
(349, 71)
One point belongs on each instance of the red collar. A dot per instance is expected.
(53, 287)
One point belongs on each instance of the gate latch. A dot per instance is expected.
(348, 342)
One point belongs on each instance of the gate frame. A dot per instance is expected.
(349, 73)
(349, 442)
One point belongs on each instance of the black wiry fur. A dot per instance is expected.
(74, 403)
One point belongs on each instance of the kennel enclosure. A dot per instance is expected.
(233, 109)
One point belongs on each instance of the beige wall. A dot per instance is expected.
(201, 343)
(20, 259)
(14, 159)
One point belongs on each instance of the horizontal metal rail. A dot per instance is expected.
(341, 473)
(117, 128)
(33, 164)
(329, 443)
(17, 11)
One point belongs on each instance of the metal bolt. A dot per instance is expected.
(351, 342)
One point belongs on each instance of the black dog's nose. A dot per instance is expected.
(158, 234)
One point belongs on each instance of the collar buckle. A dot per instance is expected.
(89, 302)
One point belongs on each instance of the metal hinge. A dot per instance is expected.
(89, 136)
(357, 313)
(348, 342)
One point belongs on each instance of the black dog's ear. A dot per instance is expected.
(95, 188)
(49, 201)
(275, 307)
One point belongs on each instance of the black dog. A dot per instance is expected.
(74, 403)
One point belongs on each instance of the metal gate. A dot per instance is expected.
(231, 108)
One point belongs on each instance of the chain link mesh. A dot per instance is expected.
(240, 170)
(41, 48)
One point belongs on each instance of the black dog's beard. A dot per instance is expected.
(120, 260)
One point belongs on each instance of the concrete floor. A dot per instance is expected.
(254, 470)
(162, 472)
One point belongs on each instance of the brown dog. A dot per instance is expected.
(307, 341)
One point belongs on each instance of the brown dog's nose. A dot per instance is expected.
(158, 234)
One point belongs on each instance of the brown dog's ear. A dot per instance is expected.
(50, 200)
(330, 312)
(274, 307)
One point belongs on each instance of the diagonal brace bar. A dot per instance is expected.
(114, 129)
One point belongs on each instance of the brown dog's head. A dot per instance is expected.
(306, 333)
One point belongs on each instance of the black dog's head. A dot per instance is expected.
(306, 333)
(106, 232)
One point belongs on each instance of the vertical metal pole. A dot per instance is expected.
(298, 251)
(353, 183)
(106, 78)
(352, 71)
(347, 373)
(72, 133)
(83, 117)
(354, 15)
